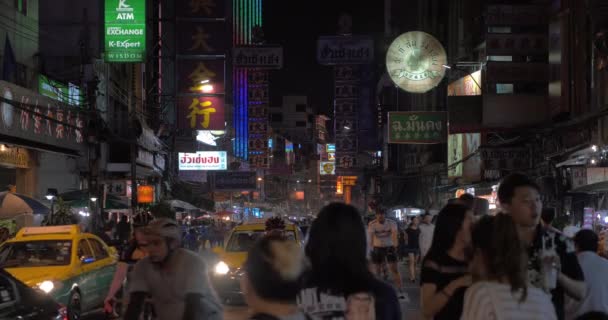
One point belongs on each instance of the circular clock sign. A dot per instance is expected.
(415, 62)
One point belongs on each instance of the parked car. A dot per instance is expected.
(72, 267)
(226, 273)
(18, 301)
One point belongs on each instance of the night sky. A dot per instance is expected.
(296, 25)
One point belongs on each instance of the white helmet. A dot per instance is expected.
(164, 227)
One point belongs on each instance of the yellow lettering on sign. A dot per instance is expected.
(199, 74)
(204, 109)
(199, 40)
(205, 5)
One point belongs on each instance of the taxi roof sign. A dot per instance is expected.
(32, 231)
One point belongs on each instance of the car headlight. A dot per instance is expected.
(222, 268)
(47, 286)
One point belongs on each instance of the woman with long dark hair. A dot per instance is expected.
(499, 269)
(340, 284)
(413, 246)
(444, 276)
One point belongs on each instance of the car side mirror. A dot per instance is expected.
(87, 259)
(113, 251)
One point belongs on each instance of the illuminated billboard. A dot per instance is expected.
(203, 160)
(125, 30)
(327, 168)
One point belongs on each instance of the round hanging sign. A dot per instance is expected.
(416, 61)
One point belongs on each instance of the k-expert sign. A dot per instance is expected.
(125, 30)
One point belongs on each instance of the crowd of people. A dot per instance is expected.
(507, 266)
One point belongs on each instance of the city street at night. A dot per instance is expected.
(303, 160)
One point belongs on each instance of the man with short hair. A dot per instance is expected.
(383, 236)
(595, 269)
(520, 197)
(175, 278)
(426, 234)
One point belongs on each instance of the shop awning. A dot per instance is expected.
(592, 188)
(142, 171)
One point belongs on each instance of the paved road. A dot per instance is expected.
(410, 306)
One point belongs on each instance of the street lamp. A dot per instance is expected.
(93, 199)
(51, 194)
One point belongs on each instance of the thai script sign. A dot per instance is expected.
(32, 117)
(517, 15)
(345, 50)
(125, 30)
(258, 57)
(417, 127)
(505, 44)
(203, 160)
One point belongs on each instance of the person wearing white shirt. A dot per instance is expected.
(595, 269)
(426, 234)
(500, 290)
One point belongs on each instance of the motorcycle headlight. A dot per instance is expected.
(222, 268)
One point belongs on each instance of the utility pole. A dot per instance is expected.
(134, 146)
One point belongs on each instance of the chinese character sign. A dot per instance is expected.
(125, 30)
(194, 75)
(37, 118)
(196, 38)
(203, 9)
(201, 113)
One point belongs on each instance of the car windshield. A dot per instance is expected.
(242, 241)
(36, 253)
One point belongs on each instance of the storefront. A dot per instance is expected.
(41, 140)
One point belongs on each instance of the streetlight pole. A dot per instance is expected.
(51, 194)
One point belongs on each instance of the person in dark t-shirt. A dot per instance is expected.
(444, 277)
(412, 247)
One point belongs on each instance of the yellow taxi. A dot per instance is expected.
(74, 268)
(227, 272)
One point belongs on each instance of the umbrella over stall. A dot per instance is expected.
(15, 204)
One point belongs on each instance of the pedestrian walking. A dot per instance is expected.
(412, 248)
(427, 229)
(339, 284)
(123, 230)
(499, 266)
(383, 234)
(595, 269)
(552, 263)
(271, 281)
(444, 277)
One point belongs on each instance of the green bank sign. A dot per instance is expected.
(417, 127)
(125, 30)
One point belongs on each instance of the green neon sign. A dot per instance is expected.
(125, 30)
(68, 94)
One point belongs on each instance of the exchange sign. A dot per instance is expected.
(125, 30)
